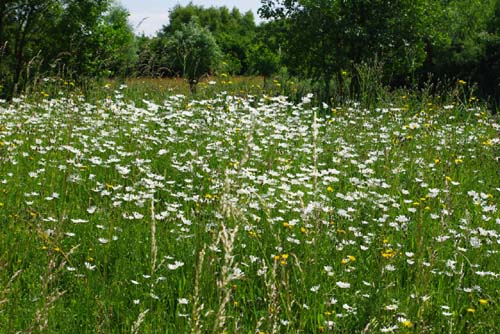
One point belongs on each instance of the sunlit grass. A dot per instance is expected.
(142, 210)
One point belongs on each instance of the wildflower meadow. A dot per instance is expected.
(248, 214)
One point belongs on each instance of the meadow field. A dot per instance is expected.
(239, 213)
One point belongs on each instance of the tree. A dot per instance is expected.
(147, 63)
(19, 32)
(264, 61)
(63, 37)
(491, 64)
(232, 30)
(193, 52)
(77, 41)
(469, 44)
(326, 37)
(117, 41)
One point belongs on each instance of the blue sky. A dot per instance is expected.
(154, 13)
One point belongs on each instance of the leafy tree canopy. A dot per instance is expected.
(82, 38)
(326, 37)
(193, 52)
(232, 30)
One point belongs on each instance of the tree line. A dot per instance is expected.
(66, 38)
(409, 42)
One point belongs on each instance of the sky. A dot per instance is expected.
(148, 16)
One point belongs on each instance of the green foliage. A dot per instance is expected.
(264, 61)
(117, 42)
(19, 40)
(74, 43)
(193, 52)
(411, 43)
(243, 215)
(147, 57)
(326, 37)
(490, 67)
(232, 30)
(82, 39)
(265, 58)
(471, 50)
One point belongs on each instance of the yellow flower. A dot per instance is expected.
(348, 259)
(471, 310)
(483, 301)
(407, 324)
(388, 253)
(487, 142)
(282, 258)
(461, 82)
(329, 189)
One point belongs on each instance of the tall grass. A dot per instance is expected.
(135, 208)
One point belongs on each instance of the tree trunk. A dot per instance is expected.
(192, 86)
(19, 54)
(3, 5)
(264, 84)
(3, 44)
(326, 89)
(20, 44)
